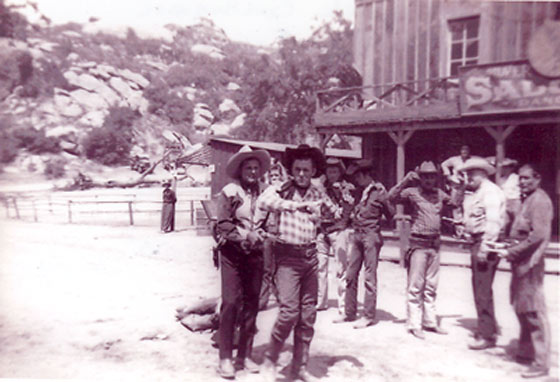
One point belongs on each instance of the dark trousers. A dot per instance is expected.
(483, 273)
(364, 249)
(268, 283)
(534, 338)
(297, 282)
(241, 284)
(168, 217)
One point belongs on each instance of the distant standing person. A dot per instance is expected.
(422, 258)
(365, 243)
(484, 215)
(275, 177)
(241, 257)
(334, 233)
(451, 166)
(510, 186)
(168, 209)
(530, 234)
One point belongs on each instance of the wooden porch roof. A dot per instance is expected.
(423, 104)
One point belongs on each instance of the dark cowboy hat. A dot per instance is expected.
(336, 162)
(244, 153)
(305, 152)
(360, 165)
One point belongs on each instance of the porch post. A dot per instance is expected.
(403, 223)
(500, 135)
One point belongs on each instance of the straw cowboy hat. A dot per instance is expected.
(427, 167)
(360, 165)
(336, 162)
(304, 152)
(508, 162)
(234, 163)
(478, 163)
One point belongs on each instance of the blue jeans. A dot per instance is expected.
(297, 283)
(364, 249)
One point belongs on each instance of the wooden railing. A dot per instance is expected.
(422, 93)
(117, 209)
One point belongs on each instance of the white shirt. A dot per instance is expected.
(485, 211)
(511, 187)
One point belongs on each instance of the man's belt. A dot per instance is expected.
(295, 250)
(432, 241)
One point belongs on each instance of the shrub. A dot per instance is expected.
(35, 141)
(8, 148)
(108, 147)
(55, 168)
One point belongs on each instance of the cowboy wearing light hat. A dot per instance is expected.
(241, 257)
(484, 216)
(422, 258)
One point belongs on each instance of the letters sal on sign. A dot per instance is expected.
(484, 89)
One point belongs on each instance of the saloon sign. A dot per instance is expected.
(505, 88)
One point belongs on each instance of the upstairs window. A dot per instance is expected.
(464, 43)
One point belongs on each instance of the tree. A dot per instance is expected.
(281, 98)
(111, 143)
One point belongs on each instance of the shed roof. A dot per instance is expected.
(281, 147)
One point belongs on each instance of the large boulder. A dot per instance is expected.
(208, 50)
(121, 86)
(134, 77)
(89, 100)
(66, 105)
(94, 118)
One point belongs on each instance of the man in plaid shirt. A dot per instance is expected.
(298, 205)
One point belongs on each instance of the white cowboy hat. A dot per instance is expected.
(244, 153)
(478, 163)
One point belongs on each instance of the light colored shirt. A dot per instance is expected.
(451, 166)
(485, 211)
(236, 210)
(295, 226)
(511, 187)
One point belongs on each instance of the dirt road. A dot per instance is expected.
(98, 303)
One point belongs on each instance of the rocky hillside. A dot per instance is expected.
(64, 88)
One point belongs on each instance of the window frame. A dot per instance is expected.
(465, 42)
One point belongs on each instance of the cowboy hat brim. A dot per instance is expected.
(478, 164)
(290, 155)
(234, 163)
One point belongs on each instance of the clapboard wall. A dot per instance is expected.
(407, 40)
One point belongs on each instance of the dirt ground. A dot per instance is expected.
(98, 303)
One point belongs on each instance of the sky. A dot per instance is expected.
(260, 22)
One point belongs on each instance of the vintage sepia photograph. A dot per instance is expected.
(277, 191)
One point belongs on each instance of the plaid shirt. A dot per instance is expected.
(294, 226)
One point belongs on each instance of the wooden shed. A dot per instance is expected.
(224, 148)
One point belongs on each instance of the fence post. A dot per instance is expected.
(7, 205)
(130, 213)
(192, 213)
(69, 211)
(34, 210)
(16, 207)
(50, 205)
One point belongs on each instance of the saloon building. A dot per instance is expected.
(438, 74)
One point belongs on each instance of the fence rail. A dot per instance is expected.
(122, 209)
